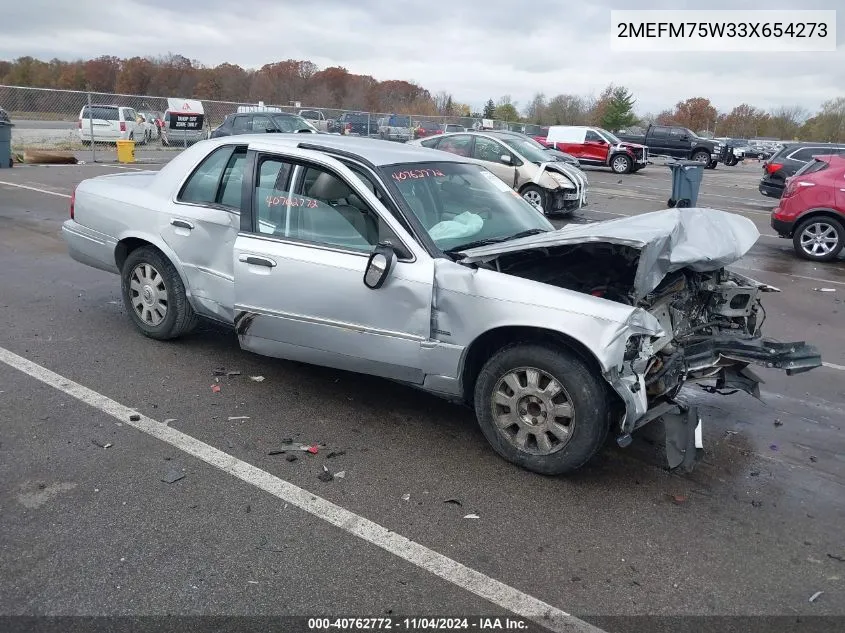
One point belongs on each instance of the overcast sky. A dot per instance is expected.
(475, 49)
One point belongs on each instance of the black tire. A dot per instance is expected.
(834, 225)
(621, 164)
(584, 389)
(536, 192)
(731, 161)
(701, 156)
(683, 203)
(179, 317)
(671, 202)
(712, 164)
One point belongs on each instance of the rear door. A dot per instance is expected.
(299, 264)
(658, 141)
(201, 224)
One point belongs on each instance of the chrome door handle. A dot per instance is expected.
(182, 224)
(257, 261)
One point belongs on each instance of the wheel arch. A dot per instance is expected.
(816, 212)
(485, 345)
(129, 243)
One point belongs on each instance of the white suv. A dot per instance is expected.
(109, 123)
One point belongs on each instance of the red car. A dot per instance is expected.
(597, 146)
(812, 209)
(428, 128)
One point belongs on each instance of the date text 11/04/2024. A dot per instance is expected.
(418, 624)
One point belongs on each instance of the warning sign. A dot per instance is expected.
(185, 114)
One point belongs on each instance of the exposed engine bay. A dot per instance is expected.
(713, 320)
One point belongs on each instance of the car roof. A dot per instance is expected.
(376, 151)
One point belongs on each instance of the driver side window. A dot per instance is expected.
(593, 136)
(489, 150)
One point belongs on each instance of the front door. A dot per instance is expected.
(299, 271)
(491, 152)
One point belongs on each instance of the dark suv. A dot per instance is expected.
(355, 124)
(791, 158)
(261, 123)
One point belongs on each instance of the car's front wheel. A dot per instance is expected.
(536, 196)
(621, 164)
(154, 295)
(819, 239)
(541, 407)
(702, 157)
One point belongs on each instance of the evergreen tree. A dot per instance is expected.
(489, 109)
(619, 110)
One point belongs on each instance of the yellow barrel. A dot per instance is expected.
(126, 151)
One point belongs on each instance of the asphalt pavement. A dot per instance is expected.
(755, 530)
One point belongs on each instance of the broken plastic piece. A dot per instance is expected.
(679, 499)
(291, 458)
(406, 496)
(215, 388)
(453, 502)
(173, 476)
(778, 422)
(233, 373)
(313, 449)
(825, 289)
(472, 516)
(325, 475)
(101, 444)
(257, 378)
(815, 596)
(238, 417)
(134, 417)
(276, 452)
(340, 475)
(774, 447)
(220, 371)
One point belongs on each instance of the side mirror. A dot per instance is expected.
(505, 158)
(379, 265)
(601, 142)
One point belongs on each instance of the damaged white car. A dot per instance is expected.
(419, 266)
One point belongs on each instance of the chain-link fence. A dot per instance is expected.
(47, 119)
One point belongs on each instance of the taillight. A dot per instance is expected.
(123, 126)
(772, 167)
(72, 203)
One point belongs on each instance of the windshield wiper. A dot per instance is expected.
(494, 240)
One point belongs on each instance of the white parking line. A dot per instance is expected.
(433, 562)
(774, 272)
(47, 191)
(834, 366)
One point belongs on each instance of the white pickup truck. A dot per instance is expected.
(316, 118)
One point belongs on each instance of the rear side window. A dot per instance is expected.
(812, 167)
(218, 178)
(807, 153)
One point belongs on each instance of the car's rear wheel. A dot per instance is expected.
(154, 295)
(536, 196)
(819, 239)
(541, 407)
(621, 164)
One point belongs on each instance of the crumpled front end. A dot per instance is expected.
(567, 186)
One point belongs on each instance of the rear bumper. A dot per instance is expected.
(90, 247)
(782, 227)
(770, 189)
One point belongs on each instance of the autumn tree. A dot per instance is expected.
(828, 125)
(506, 109)
(696, 113)
(744, 121)
(566, 109)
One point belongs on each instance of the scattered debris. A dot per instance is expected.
(757, 504)
(774, 447)
(233, 373)
(825, 289)
(313, 449)
(277, 452)
(679, 499)
(215, 388)
(472, 516)
(220, 371)
(325, 475)
(406, 496)
(233, 418)
(101, 444)
(841, 559)
(814, 459)
(287, 440)
(252, 582)
(168, 421)
(755, 473)
(340, 475)
(134, 417)
(334, 454)
(454, 502)
(291, 458)
(815, 596)
(257, 378)
(576, 579)
(248, 508)
(778, 422)
(173, 476)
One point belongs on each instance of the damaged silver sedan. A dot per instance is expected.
(419, 266)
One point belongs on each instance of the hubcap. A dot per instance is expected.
(533, 411)
(819, 238)
(702, 157)
(148, 294)
(620, 164)
(534, 198)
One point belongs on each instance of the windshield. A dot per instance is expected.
(610, 138)
(529, 148)
(460, 203)
(292, 123)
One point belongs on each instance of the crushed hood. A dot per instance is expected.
(699, 239)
